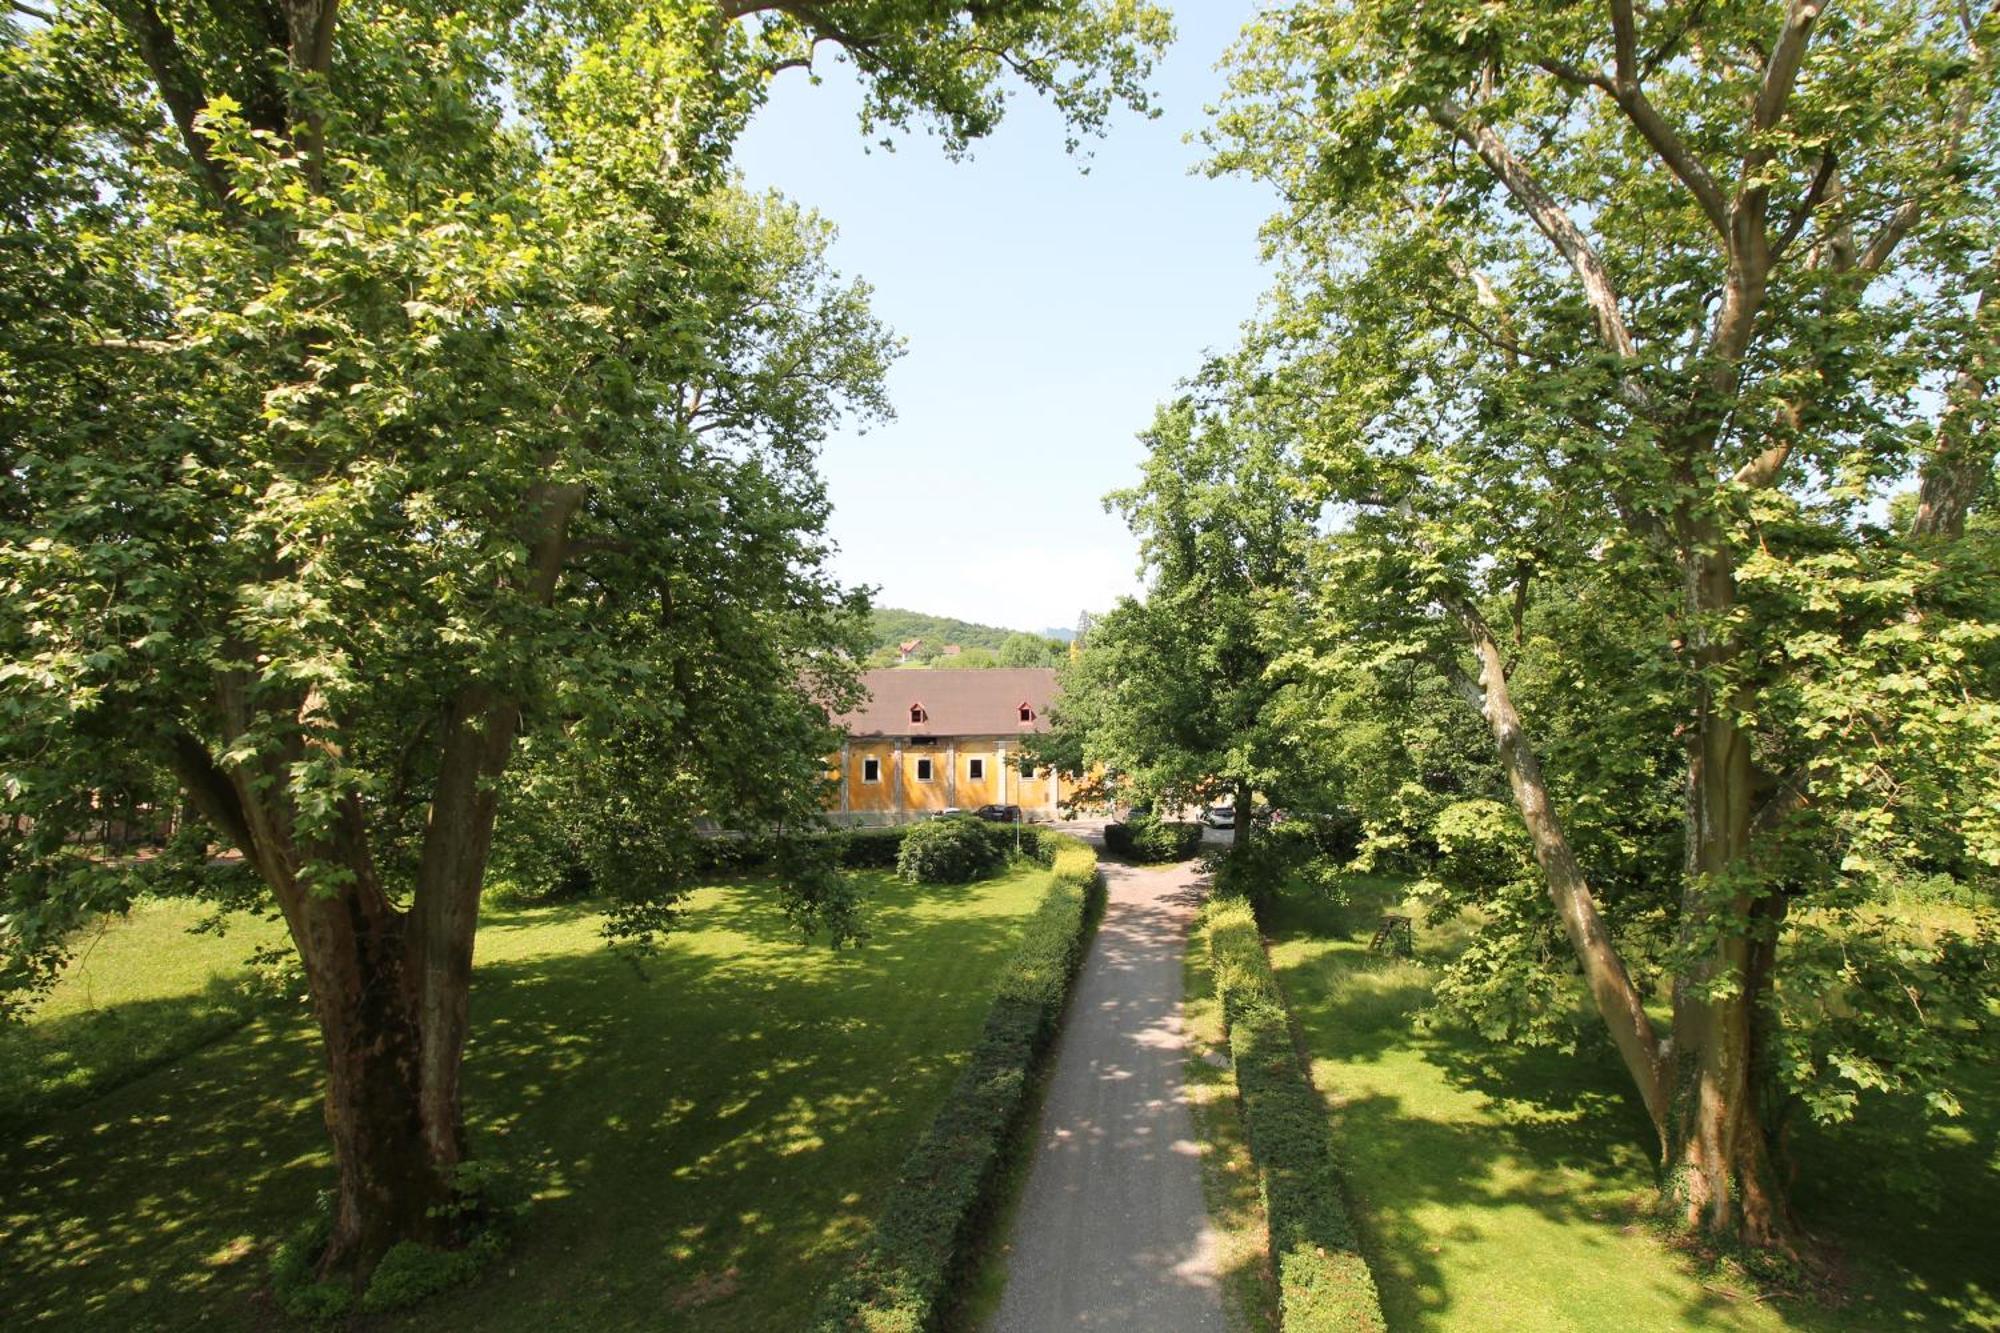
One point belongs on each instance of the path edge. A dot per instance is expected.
(1324, 1282)
(925, 1235)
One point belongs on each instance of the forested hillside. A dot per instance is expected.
(980, 645)
(891, 627)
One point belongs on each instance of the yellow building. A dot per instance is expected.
(926, 741)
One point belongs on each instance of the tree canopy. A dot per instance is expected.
(1608, 334)
(387, 388)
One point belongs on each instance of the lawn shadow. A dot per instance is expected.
(705, 1143)
(1562, 1134)
(60, 1061)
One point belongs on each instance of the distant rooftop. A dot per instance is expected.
(952, 703)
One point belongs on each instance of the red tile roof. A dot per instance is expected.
(955, 703)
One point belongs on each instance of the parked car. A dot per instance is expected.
(1000, 814)
(1219, 816)
(948, 812)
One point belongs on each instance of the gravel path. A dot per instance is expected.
(1111, 1232)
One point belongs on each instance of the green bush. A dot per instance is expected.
(955, 850)
(922, 1235)
(1148, 838)
(1323, 1282)
(871, 848)
(487, 1202)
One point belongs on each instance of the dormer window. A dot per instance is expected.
(1027, 712)
(917, 714)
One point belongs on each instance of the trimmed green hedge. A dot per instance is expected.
(1323, 1282)
(1146, 838)
(871, 848)
(926, 1227)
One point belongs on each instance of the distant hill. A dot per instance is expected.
(891, 627)
(1060, 632)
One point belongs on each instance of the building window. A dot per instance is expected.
(917, 713)
(871, 770)
(1027, 713)
(923, 770)
(975, 769)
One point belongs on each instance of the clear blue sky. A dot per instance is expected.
(1047, 311)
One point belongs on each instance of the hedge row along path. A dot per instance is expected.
(1111, 1231)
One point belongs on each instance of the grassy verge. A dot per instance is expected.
(1230, 1183)
(141, 993)
(709, 1138)
(1323, 1281)
(1503, 1189)
(923, 1236)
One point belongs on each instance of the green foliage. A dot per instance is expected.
(1592, 363)
(487, 1205)
(924, 1231)
(1323, 1281)
(294, 1283)
(1148, 838)
(409, 418)
(872, 848)
(1172, 696)
(954, 850)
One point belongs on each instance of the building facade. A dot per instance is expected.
(926, 741)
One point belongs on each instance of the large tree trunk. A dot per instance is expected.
(389, 988)
(1720, 1175)
(391, 1177)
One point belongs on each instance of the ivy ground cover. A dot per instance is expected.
(707, 1133)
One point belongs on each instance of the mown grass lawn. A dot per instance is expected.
(707, 1135)
(1500, 1189)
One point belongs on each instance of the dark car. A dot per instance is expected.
(1000, 814)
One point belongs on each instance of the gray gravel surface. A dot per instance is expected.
(1111, 1232)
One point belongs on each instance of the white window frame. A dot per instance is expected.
(871, 769)
(975, 769)
(926, 770)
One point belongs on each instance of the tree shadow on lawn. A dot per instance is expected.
(1562, 1135)
(66, 1060)
(705, 1143)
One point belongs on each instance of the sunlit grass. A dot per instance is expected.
(140, 991)
(1503, 1189)
(707, 1133)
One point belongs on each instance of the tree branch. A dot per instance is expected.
(1781, 75)
(1653, 127)
(1548, 217)
(1618, 1000)
(177, 85)
(212, 792)
(32, 12)
(1814, 195)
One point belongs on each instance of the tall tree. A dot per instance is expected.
(382, 382)
(1661, 301)
(1172, 692)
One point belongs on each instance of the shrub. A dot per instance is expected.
(1148, 838)
(487, 1202)
(1323, 1282)
(956, 850)
(921, 1237)
(871, 848)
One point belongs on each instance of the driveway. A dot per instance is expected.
(1111, 1232)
